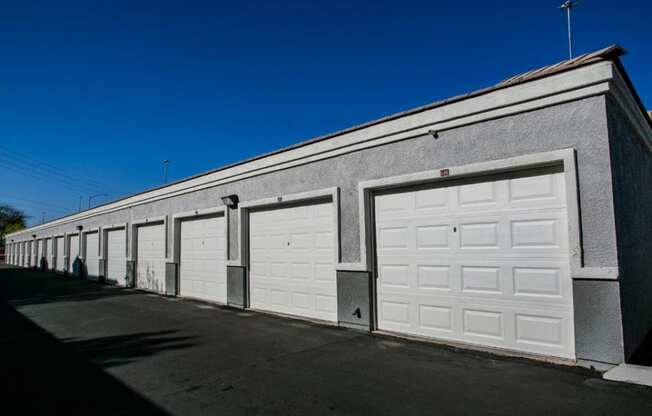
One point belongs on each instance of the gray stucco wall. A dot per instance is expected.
(598, 325)
(632, 184)
(581, 125)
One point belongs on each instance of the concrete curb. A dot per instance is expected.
(630, 373)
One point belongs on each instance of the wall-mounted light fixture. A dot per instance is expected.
(79, 227)
(230, 201)
(434, 134)
(33, 235)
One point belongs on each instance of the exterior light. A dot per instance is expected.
(434, 134)
(79, 227)
(230, 201)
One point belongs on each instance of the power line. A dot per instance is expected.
(50, 169)
(50, 178)
(43, 177)
(38, 205)
(34, 201)
(33, 169)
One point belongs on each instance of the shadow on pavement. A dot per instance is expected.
(40, 375)
(117, 350)
(48, 287)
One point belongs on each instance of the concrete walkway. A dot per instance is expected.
(73, 347)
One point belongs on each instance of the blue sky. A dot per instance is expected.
(95, 95)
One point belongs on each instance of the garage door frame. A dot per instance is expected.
(565, 158)
(178, 218)
(104, 248)
(281, 201)
(132, 240)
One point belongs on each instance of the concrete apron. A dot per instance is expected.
(630, 373)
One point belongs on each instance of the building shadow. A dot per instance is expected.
(38, 287)
(40, 375)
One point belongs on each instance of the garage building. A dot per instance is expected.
(513, 219)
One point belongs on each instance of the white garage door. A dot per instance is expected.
(202, 260)
(150, 263)
(48, 253)
(73, 250)
(30, 253)
(292, 255)
(92, 255)
(116, 257)
(483, 263)
(39, 250)
(26, 253)
(60, 254)
(23, 254)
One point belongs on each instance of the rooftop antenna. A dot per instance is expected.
(568, 5)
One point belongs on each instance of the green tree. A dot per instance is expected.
(11, 220)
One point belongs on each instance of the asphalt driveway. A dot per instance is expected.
(71, 346)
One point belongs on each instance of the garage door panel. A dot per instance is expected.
(292, 254)
(202, 257)
(150, 262)
(491, 268)
(92, 247)
(116, 258)
(60, 254)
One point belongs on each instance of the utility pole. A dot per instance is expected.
(568, 5)
(165, 171)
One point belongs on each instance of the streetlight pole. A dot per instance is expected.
(90, 198)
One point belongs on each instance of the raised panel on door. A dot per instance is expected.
(116, 258)
(150, 259)
(480, 262)
(292, 255)
(202, 259)
(91, 256)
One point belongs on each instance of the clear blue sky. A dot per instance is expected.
(105, 91)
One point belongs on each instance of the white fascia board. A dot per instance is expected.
(567, 86)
